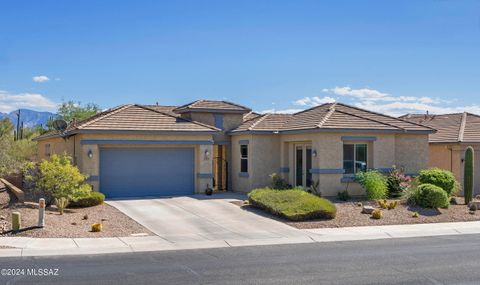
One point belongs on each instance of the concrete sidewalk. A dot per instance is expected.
(78, 246)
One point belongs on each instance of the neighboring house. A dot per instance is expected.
(136, 150)
(455, 132)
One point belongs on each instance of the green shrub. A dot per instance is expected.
(441, 178)
(343, 195)
(430, 196)
(374, 183)
(278, 182)
(292, 204)
(93, 199)
(56, 178)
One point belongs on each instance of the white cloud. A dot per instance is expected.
(284, 111)
(402, 108)
(382, 102)
(313, 101)
(10, 102)
(40, 78)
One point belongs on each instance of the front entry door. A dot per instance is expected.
(303, 164)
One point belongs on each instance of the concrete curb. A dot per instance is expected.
(25, 246)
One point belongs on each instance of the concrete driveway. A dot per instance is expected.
(203, 218)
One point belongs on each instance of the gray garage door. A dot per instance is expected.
(136, 172)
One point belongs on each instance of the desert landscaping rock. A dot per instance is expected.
(71, 224)
(348, 215)
(368, 209)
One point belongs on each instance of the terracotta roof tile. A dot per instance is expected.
(458, 127)
(201, 105)
(135, 118)
(331, 116)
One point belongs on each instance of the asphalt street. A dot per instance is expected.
(432, 260)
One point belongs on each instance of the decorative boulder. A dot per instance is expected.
(368, 209)
(475, 204)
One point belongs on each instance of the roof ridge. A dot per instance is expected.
(112, 112)
(461, 131)
(236, 104)
(166, 114)
(327, 116)
(313, 108)
(370, 119)
(263, 117)
(384, 115)
(185, 105)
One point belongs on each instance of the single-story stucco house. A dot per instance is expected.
(455, 132)
(137, 150)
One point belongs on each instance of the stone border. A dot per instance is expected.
(15, 190)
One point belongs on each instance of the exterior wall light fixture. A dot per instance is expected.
(206, 155)
(90, 153)
(314, 153)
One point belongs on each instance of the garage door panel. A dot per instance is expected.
(132, 172)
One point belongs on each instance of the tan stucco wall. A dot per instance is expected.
(411, 152)
(408, 151)
(230, 121)
(449, 156)
(268, 153)
(91, 166)
(240, 184)
(57, 146)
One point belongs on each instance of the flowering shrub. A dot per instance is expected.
(397, 183)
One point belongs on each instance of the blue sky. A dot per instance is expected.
(389, 56)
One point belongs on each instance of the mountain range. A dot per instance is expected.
(30, 118)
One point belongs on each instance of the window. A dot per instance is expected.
(47, 149)
(243, 158)
(354, 158)
(219, 121)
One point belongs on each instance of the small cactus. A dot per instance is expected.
(468, 175)
(359, 204)
(383, 204)
(377, 214)
(61, 204)
(415, 215)
(97, 227)
(392, 205)
(85, 217)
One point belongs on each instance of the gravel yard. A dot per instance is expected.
(72, 224)
(349, 215)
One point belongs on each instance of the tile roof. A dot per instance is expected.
(265, 122)
(250, 115)
(458, 127)
(212, 105)
(135, 118)
(332, 116)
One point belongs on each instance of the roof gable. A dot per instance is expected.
(212, 106)
(332, 116)
(127, 118)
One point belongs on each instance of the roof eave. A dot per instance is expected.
(206, 110)
(145, 132)
(344, 130)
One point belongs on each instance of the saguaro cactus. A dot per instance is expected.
(468, 175)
